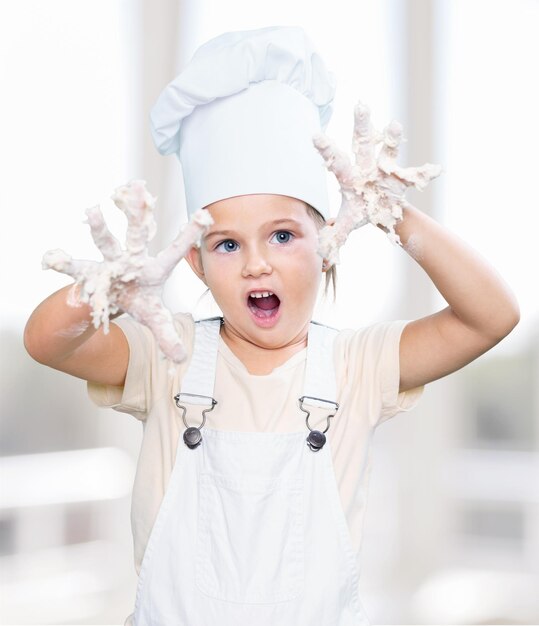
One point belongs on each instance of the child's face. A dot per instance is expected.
(257, 253)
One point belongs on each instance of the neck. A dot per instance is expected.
(261, 360)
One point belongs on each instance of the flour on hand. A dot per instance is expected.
(373, 189)
(129, 279)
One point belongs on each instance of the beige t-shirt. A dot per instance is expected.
(367, 369)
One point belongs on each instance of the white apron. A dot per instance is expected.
(251, 530)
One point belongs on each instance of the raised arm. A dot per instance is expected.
(482, 308)
(62, 332)
(63, 337)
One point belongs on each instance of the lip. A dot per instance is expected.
(264, 322)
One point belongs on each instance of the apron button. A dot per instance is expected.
(192, 437)
(316, 440)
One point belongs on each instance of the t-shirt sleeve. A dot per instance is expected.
(146, 367)
(393, 401)
(372, 368)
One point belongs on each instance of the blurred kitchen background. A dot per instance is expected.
(452, 527)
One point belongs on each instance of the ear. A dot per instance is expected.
(325, 264)
(194, 258)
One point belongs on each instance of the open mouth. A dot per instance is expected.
(263, 305)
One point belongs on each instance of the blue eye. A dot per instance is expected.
(228, 246)
(283, 236)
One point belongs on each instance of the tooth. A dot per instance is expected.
(261, 294)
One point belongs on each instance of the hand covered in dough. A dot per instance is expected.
(373, 189)
(129, 279)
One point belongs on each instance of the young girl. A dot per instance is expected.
(250, 490)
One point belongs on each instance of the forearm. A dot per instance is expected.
(56, 329)
(474, 290)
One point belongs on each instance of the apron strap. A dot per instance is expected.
(320, 385)
(199, 380)
(320, 376)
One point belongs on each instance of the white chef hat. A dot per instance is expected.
(242, 114)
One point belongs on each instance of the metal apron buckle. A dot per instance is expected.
(192, 436)
(316, 439)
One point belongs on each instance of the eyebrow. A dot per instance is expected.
(227, 233)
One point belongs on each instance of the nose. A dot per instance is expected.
(256, 263)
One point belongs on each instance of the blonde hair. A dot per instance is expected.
(331, 273)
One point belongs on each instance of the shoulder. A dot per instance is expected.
(184, 325)
(370, 341)
(143, 346)
(147, 370)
